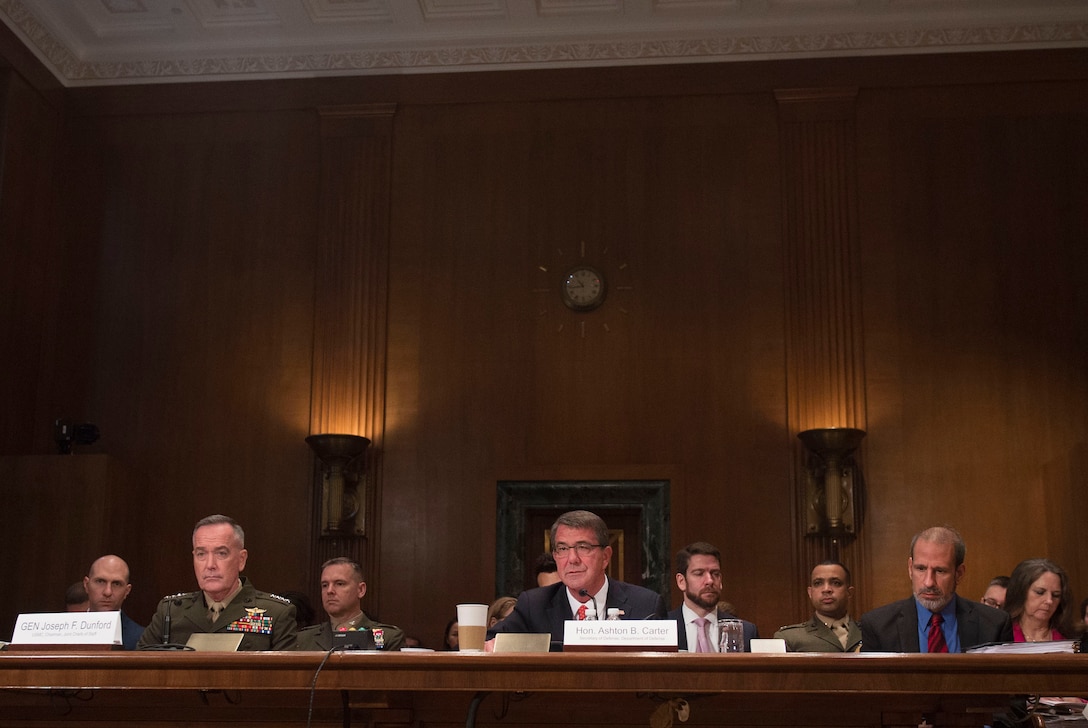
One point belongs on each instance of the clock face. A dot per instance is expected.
(583, 288)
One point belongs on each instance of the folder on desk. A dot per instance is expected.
(509, 642)
(215, 641)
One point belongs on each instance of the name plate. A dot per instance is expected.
(657, 635)
(68, 628)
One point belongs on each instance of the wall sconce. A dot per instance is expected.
(832, 475)
(343, 482)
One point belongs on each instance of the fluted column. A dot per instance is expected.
(350, 301)
(824, 347)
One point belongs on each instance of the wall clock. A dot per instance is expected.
(583, 288)
(572, 283)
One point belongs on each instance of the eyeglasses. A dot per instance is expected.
(562, 551)
(990, 602)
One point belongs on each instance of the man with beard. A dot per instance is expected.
(699, 576)
(580, 545)
(830, 629)
(935, 619)
(342, 590)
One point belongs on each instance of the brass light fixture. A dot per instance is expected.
(833, 480)
(343, 482)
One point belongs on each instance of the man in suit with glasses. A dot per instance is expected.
(581, 551)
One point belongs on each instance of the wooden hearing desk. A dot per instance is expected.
(430, 689)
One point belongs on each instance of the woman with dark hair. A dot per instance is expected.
(450, 639)
(1040, 602)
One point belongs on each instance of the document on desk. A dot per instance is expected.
(1026, 648)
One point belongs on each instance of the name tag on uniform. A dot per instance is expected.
(68, 628)
(657, 635)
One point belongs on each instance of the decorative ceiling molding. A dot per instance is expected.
(110, 42)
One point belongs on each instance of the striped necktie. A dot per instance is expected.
(936, 642)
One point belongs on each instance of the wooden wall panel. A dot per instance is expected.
(976, 341)
(204, 333)
(34, 304)
(677, 375)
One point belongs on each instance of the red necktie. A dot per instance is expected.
(936, 641)
(581, 612)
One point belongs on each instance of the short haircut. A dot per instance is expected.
(337, 561)
(1001, 581)
(215, 520)
(583, 519)
(699, 548)
(76, 594)
(942, 535)
(545, 564)
(832, 562)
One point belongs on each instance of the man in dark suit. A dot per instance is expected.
(935, 619)
(107, 586)
(581, 550)
(699, 576)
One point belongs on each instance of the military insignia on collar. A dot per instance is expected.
(256, 621)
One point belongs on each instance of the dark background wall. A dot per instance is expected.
(163, 274)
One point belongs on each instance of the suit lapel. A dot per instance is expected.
(908, 626)
(558, 611)
(617, 599)
(967, 623)
(853, 636)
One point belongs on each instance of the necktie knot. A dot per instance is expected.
(842, 632)
(215, 609)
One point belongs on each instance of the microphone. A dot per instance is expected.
(166, 644)
(584, 593)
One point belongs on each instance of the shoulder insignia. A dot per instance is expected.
(277, 597)
(792, 626)
(179, 595)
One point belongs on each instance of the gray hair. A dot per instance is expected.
(583, 519)
(942, 535)
(215, 520)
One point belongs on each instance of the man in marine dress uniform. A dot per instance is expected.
(830, 629)
(342, 590)
(226, 601)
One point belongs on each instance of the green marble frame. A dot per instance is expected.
(650, 497)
